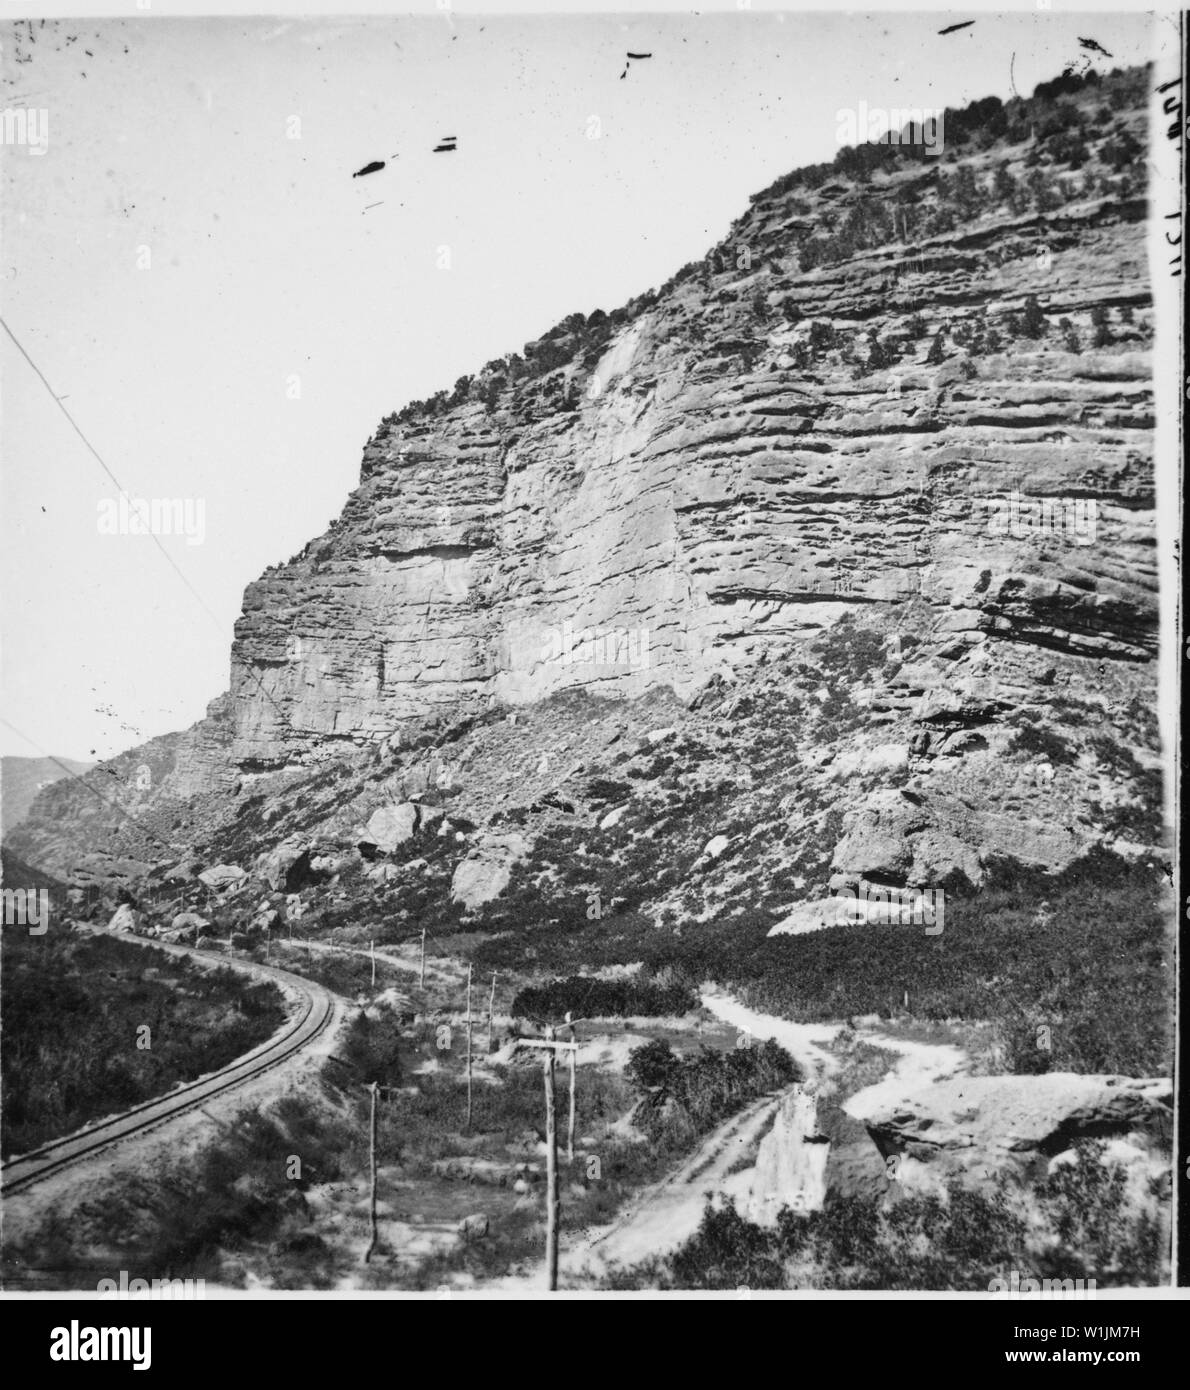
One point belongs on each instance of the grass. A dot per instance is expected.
(93, 1026)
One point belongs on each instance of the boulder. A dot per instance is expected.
(185, 920)
(267, 921)
(125, 918)
(188, 926)
(183, 872)
(791, 1161)
(714, 848)
(485, 873)
(223, 876)
(808, 917)
(382, 873)
(287, 867)
(892, 837)
(976, 1126)
(392, 826)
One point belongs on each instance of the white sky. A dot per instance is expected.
(264, 264)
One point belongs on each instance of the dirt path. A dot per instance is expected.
(667, 1215)
(919, 1065)
(413, 967)
(802, 1040)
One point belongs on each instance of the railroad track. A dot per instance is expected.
(315, 1013)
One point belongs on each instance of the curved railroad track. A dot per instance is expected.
(316, 1009)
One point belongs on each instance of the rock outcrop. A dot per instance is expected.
(486, 871)
(976, 1127)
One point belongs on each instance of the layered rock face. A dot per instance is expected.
(918, 399)
(717, 479)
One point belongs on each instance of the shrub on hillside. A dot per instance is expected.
(585, 997)
(708, 1087)
(1086, 1227)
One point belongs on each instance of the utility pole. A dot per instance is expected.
(374, 1088)
(551, 1169)
(548, 1042)
(372, 946)
(468, 1127)
(491, 1006)
(570, 1120)
(423, 957)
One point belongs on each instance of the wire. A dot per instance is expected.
(94, 790)
(74, 425)
(95, 453)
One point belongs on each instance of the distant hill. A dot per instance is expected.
(22, 778)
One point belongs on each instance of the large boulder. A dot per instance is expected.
(791, 1161)
(392, 826)
(807, 917)
(382, 873)
(268, 919)
(189, 922)
(893, 837)
(184, 871)
(287, 867)
(973, 1127)
(484, 874)
(223, 876)
(125, 918)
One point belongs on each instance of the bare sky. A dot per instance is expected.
(265, 263)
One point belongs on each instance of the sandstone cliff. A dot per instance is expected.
(913, 393)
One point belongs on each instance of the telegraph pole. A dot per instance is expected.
(374, 1088)
(423, 957)
(491, 1006)
(373, 952)
(551, 1169)
(550, 1045)
(468, 1127)
(570, 1120)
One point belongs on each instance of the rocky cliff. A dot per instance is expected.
(750, 453)
(908, 395)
